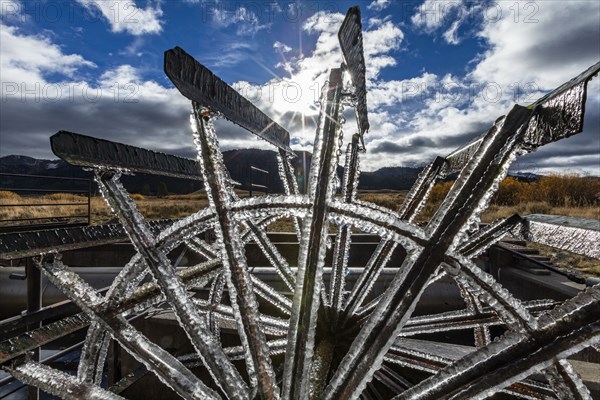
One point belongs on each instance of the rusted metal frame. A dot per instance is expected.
(394, 309)
(341, 250)
(562, 331)
(566, 382)
(303, 320)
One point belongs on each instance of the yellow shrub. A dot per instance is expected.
(5, 194)
(137, 196)
(64, 197)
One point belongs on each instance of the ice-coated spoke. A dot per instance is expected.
(275, 258)
(93, 354)
(223, 372)
(487, 236)
(365, 282)
(272, 325)
(481, 333)
(305, 305)
(431, 357)
(417, 196)
(566, 382)
(231, 248)
(342, 242)
(271, 295)
(393, 310)
(59, 383)
(164, 365)
(290, 186)
(562, 331)
(509, 308)
(463, 319)
(215, 296)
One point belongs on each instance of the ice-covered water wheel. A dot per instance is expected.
(333, 342)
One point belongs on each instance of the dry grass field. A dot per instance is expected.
(569, 195)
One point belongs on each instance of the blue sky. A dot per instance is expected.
(439, 72)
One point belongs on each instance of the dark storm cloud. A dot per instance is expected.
(26, 126)
(414, 145)
(578, 43)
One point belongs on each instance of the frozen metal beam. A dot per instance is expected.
(223, 372)
(548, 124)
(341, 250)
(230, 247)
(199, 84)
(303, 320)
(30, 244)
(576, 235)
(350, 38)
(417, 196)
(563, 331)
(59, 383)
(87, 151)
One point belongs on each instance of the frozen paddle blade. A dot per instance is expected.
(199, 84)
(456, 160)
(560, 113)
(350, 37)
(578, 235)
(87, 151)
(29, 244)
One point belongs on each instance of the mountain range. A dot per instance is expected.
(238, 163)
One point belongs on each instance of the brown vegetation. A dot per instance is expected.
(568, 194)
